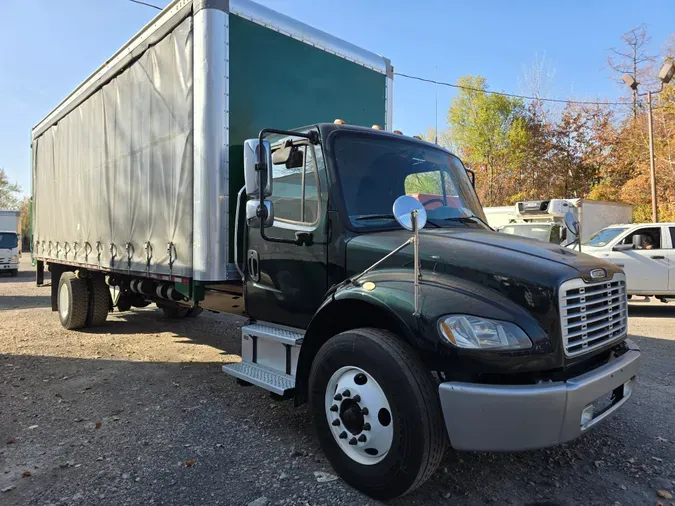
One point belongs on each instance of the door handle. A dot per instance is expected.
(658, 257)
(305, 238)
(253, 262)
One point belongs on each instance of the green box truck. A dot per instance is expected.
(202, 167)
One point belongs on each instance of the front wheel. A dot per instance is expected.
(376, 412)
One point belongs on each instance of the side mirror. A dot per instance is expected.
(253, 214)
(253, 160)
(403, 208)
(571, 223)
(623, 247)
(638, 241)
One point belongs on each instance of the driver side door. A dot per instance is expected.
(286, 279)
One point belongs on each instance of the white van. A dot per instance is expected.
(645, 251)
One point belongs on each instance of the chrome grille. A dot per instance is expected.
(592, 314)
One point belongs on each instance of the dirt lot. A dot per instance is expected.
(139, 412)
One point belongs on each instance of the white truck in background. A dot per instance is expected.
(545, 219)
(10, 229)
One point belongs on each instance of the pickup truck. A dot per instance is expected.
(203, 167)
(645, 252)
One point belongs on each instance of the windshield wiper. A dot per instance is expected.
(375, 217)
(468, 219)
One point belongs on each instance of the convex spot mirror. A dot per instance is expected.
(253, 211)
(404, 206)
(571, 223)
(251, 174)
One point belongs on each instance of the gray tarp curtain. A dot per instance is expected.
(118, 168)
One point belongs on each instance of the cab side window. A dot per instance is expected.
(672, 237)
(295, 189)
(651, 238)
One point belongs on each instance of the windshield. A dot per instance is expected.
(8, 240)
(604, 237)
(541, 232)
(376, 170)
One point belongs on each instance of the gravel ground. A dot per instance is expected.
(138, 412)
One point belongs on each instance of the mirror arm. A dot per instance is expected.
(416, 256)
(388, 255)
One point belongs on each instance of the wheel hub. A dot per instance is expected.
(359, 415)
(351, 416)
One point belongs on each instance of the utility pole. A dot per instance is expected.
(652, 165)
(665, 75)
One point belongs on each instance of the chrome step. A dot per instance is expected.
(273, 332)
(275, 382)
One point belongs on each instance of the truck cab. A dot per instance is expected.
(644, 251)
(9, 252)
(509, 344)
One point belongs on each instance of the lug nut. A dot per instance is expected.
(357, 398)
(334, 407)
(343, 435)
(346, 393)
(366, 426)
(336, 423)
(364, 411)
(362, 438)
(337, 397)
(352, 441)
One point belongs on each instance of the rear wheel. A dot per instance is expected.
(73, 301)
(376, 412)
(99, 303)
(193, 312)
(174, 312)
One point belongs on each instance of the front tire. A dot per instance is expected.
(14, 273)
(73, 301)
(395, 444)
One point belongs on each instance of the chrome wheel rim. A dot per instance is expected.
(359, 415)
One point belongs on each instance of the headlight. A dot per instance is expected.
(15, 258)
(466, 331)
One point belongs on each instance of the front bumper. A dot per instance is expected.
(9, 267)
(523, 417)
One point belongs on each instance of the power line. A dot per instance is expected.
(450, 85)
(513, 95)
(146, 4)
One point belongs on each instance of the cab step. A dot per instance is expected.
(269, 356)
(275, 382)
(284, 335)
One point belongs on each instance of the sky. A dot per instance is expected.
(51, 46)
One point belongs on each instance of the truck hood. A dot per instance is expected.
(490, 266)
(478, 254)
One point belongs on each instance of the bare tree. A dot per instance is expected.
(632, 57)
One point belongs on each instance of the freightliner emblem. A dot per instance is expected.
(598, 273)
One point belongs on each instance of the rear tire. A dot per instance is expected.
(398, 381)
(99, 303)
(73, 301)
(174, 312)
(193, 312)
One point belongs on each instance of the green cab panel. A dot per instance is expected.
(276, 81)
